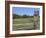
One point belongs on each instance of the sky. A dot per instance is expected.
(24, 10)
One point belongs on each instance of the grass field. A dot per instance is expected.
(23, 24)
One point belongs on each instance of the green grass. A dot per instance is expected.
(23, 24)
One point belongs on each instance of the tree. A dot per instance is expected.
(24, 16)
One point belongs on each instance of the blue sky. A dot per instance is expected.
(24, 11)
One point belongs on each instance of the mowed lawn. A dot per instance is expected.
(23, 24)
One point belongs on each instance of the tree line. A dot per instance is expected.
(21, 16)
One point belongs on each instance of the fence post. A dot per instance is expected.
(36, 18)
